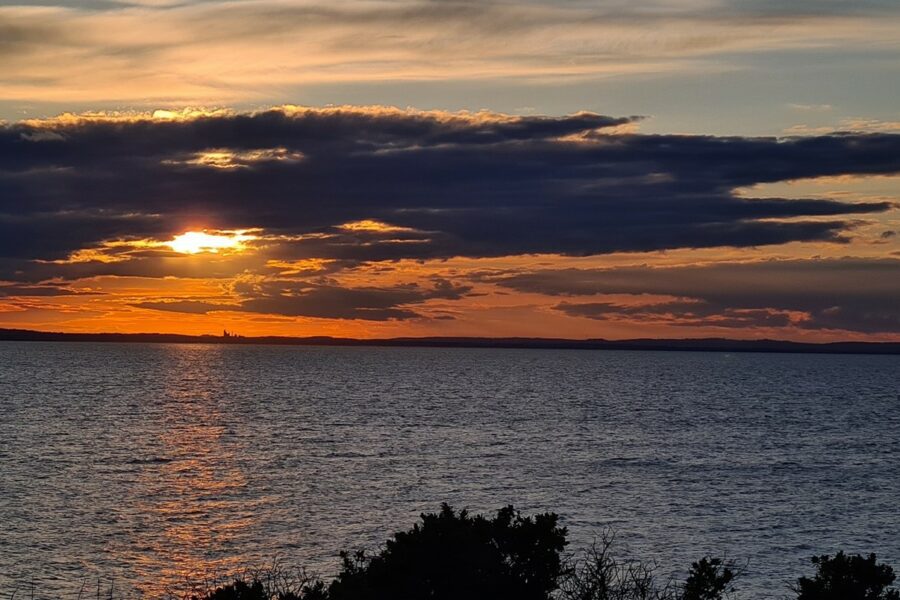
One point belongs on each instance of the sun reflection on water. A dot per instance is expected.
(195, 500)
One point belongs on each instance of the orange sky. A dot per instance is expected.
(271, 237)
(106, 303)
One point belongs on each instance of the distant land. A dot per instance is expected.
(695, 345)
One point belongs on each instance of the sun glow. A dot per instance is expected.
(195, 242)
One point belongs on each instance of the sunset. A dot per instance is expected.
(382, 222)
(280, 275)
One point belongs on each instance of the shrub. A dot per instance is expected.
(240, 590)
(453, 555)
(601, 576)
(843, 577)
(709, 579)
(270, 583)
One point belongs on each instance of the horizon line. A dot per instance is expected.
(705, 344)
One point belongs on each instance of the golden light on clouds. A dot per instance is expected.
(225, 158)
(370, 225)
(196, 242)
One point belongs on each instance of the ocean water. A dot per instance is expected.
(142, 465)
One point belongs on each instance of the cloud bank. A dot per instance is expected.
(442, 184)
(844, 294)
(329, 191)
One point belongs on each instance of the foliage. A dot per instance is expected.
(843, 577)
(601, 576)
(453, 555)
(709, 579)
(271, 583)
(240, 590)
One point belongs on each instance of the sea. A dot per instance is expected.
(138, 468)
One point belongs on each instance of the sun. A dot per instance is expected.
(195, 242)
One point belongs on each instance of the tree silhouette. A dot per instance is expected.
(453, 555)
(599, 575)
(240, 590)
(845, 577)
(709, 579)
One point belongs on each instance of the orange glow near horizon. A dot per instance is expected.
(114, 303)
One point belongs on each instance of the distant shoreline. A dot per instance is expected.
(691, 345)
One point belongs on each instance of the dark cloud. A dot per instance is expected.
(326, 300)
(461, 185)
(848, 294)
(54, 234)
(7, 291)
(138, 264)
(681, 314)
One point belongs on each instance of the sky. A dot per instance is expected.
(553, 168)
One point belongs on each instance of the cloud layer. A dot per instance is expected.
(848, 294)
(329, 192)
(93, 51)
(326, 300)
(444, 184)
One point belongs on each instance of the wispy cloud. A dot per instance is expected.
(221, 52)
(820, 108)
(855, 124)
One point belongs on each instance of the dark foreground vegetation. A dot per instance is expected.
(453, 555)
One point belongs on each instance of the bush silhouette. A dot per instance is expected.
(845, 577)
(453, 555)
(599, 575)
(271, 583)
(709, 579)
(240, 590)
